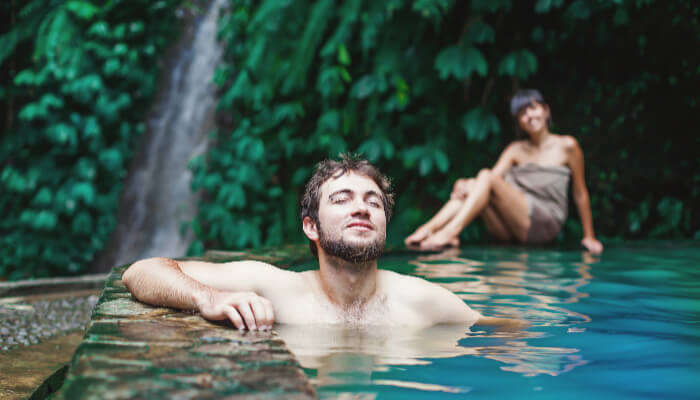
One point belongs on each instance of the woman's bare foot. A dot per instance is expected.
(415, 239)
(439, 241)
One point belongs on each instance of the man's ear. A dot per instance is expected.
(310, 228)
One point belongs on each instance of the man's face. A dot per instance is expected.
(352, 222)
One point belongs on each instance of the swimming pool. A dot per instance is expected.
(623, 325)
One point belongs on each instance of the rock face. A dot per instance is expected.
(132, 350)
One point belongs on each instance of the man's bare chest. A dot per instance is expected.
(309, 309)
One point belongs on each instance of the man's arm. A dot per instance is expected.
(434, 303)
(503, 324)
(445, 307)
(218, 291)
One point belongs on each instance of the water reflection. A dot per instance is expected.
(341, 355)
(512, 288)
(522, 287)
(518, 288)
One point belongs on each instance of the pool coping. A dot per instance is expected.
(131, 349)
(51, 285)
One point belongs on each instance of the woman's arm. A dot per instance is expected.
(505, 160)
(575, 163)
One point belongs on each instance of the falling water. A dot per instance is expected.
(157, 198)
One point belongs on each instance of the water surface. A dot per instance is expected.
(623, 325)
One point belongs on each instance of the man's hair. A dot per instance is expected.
(327, 169)
(523, 98)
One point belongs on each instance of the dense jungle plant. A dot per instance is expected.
(76, 77)
(421, 88)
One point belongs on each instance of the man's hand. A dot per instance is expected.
(243, 309)
(592, 244)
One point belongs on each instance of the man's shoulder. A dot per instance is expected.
(395, 277)
(430, 300)
(409, 287)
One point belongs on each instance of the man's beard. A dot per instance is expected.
(354, 253)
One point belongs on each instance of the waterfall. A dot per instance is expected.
(157, 199)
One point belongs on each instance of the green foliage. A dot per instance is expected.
(460, 62)
(76, 78)
(421, 89)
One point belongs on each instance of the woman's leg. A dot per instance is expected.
(487, 188)
(511, 205)
(495, 225)
(442, 217)
(438, 221)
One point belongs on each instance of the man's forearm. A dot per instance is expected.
(507, 324)
(160, 281)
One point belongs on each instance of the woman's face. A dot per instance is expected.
(533, 118)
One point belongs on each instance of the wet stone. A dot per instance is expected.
(26, 321)
(123, 308)
(133, 350)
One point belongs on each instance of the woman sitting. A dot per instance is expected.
(524, 196)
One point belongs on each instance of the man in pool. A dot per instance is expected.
(344, 211)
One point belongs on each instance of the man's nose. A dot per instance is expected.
(360, 208)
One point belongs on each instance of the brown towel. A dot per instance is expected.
(545, 188)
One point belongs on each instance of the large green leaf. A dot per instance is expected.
(460, 62)
(543, 6)
(82, 9)
(480, 32)
(478, 123)
(520, 63)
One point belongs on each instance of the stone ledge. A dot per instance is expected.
(133, 350)
(51, 285)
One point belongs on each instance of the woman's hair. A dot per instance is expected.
(523, 98)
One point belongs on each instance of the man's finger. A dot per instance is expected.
(247, 314)
(270, 313)
(234, 317)
(259, 312)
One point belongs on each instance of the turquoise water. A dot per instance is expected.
(623, 325)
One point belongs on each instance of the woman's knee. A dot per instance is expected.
(484, 174)
(458, 184)
(459, 189)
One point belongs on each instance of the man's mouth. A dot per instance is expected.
(361, 225)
